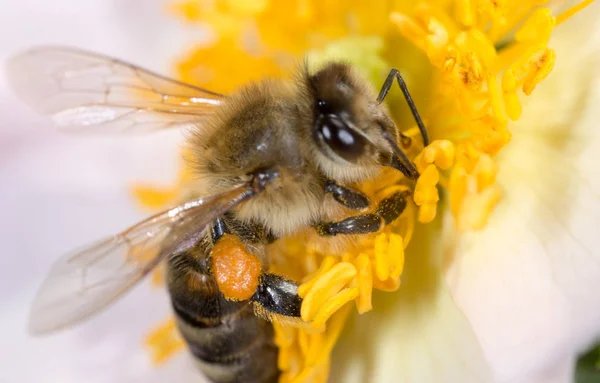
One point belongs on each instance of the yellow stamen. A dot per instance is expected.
(387, 285)
(326, 265)
(325, 287)
(396, 254)
(426, 193)
(472, 74)
(537, 28)
(439, 152)
(539, 69)
(382, 266)
(566, 15)
(333, 304)
(509, 95)
(164, 341)
(152, 197)
(466, 12)
(427, 212)
(284, 336)
(494, 96)
(476, 209)
(365, 283)
(158, 277)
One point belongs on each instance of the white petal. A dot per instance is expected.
(530, 281)
(416, 335)
(58, 192)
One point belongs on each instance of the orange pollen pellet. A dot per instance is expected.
(235, 268)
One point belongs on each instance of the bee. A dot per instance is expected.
(273, 158)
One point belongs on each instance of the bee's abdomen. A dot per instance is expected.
(238, 349)
(229, 342)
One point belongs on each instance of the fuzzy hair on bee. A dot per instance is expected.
(273, 158)
(270, 123)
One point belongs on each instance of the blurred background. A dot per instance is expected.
(58, 192)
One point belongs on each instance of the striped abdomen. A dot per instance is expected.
(228, 341)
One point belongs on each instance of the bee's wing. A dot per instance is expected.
(84, 282)
(89, 92)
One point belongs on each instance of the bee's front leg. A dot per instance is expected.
(348, 197)
(387, 211)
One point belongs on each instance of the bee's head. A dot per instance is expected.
(353, 132)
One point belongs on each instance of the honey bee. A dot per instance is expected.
(270, 159)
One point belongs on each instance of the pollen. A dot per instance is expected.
(468, 64)
(236, 270)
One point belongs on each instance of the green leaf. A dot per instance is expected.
(588, 367)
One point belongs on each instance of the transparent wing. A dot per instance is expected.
(84, 282)
(89, 92)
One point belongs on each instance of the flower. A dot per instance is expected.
(472, 61)
(415, 334)
(527, 282)
(541, 267)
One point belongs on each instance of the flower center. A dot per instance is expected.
(474, 56)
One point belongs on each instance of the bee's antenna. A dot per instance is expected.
(394, 73)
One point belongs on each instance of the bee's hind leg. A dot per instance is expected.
(274, 294)
(387, 211)
(277, 295)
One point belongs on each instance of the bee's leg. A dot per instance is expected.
(248, 233)
(348, 197)
(394, 73)
(387, 211)
(274, 294)
(218, 228)
(277, 295)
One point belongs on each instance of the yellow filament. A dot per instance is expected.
(396, 255)
(364, 277)
(572, 11)
(326, 265)
(387, 285)
(382, 266)
(326, 286)
(333, 304)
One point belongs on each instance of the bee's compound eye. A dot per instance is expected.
(345, 142)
